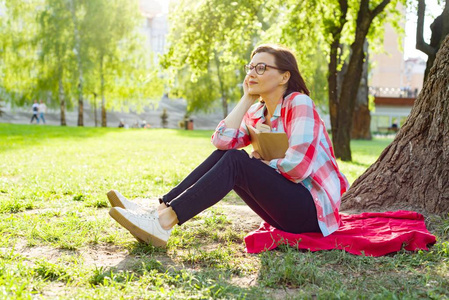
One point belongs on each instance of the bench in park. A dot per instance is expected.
(388, 130)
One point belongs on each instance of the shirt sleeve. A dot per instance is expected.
(230, 138)
(302, 128)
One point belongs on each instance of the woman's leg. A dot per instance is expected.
(252, 203)
(289, 205)
(194, 176)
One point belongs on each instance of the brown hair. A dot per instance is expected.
(285, 60)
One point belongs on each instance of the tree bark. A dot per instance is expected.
(224, 101)
(348, 95)
(80, 65)
(361, 118)
(61, 96)
(332, 78)
(413, 171)
(103, 99)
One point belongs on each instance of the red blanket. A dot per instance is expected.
(370, 234)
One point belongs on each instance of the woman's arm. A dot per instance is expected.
(231, 133)
(234, 119)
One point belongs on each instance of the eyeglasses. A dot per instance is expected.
(260, 68)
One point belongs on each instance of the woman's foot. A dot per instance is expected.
(167, 218)
(118, 200)
(144, 227)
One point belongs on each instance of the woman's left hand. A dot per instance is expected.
(256, 155)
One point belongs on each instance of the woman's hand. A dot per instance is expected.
(234, 119)
(256, 155)
(246, 94)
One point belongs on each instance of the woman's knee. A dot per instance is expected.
(235, 154)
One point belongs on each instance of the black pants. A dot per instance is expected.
(280, 202)
(34, 117)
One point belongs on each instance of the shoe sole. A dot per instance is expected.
(137, 232)
(114, 199)
(115, 202)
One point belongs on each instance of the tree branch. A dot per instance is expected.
(420, 43)
(378, 9)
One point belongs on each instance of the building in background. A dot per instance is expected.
(394, 82)
(156, 25)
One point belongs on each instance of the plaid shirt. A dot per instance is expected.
(309, 159)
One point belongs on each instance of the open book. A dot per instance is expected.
(270, 145)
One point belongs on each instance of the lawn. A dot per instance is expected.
(58, 241)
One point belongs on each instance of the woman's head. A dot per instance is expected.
(285, 61)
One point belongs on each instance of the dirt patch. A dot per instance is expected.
(243, 218)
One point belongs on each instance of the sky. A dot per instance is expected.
(433, 10)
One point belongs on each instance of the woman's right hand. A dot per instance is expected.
(246, 93)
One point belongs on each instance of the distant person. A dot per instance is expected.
(121, 124)
(35, 109)
(395, 125)
(42, 111)
(300, 192)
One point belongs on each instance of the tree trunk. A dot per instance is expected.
(61, 97)
(95, 110)
(103, 100)
(224, 101)
(80, 65)
(347, 97)
(332, 81)
(361, 119)
(413, 171)
(334, 54)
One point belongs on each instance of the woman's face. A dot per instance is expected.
(272, 80)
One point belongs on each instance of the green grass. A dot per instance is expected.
(57, 240)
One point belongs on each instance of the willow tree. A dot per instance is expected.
(19, 69)
(110, 25)
(56, 56)
(413, 171)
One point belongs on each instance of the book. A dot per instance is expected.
(269, 145)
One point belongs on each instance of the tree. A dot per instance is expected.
(66, 49)
(78, 13)
(440, 29)
(334, 24)
(413, 171)
(18, 52)
(210, 38)
(55, 53)
(342, 104)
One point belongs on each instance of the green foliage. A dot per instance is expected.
(209, 45)
(55, 50)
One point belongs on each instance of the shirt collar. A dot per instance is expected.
(259, 113)
(277, 111)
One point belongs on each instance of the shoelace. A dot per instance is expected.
(149, 216)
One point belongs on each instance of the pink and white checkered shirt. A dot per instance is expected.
(309, 160)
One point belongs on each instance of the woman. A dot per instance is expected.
(298, 193)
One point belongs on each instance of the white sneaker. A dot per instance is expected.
(118, 200)
(145, 227)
